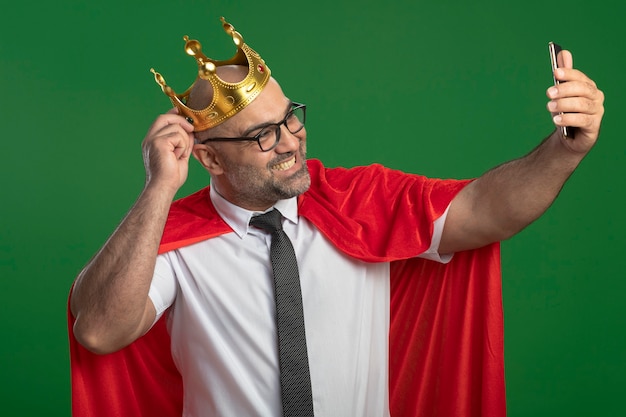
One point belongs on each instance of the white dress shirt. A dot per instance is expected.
(223, 329)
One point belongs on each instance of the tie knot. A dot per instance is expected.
(270, 221)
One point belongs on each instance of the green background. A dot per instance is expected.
(446, 89)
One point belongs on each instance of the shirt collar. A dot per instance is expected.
(238, 218)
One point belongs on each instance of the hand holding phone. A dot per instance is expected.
(554, 50)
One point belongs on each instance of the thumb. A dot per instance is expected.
(565, 59)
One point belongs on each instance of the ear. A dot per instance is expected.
(209, 158)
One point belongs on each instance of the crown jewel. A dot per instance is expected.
(228, 98)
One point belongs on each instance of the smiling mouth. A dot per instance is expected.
(285, 165)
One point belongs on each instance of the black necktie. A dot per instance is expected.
(295, 380)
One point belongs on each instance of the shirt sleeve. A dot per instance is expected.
(163, 287)
(432, 252)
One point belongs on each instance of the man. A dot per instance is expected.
(217, 283)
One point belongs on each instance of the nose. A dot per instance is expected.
(290, 142)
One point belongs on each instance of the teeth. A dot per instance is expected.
(285, 165)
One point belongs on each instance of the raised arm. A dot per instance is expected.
(511, 196)
(110, 297)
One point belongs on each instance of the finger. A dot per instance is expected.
(586, 89)
(574, 105)
(169, 136)
(189, 127)
(586, 122)
(164, 129)
(565, 59)
(169, 118)
(568, 74)
(183, 143)
(174, 139)
(189, 147)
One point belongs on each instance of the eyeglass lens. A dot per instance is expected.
(269, 136)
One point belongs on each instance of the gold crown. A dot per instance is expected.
(228, 98)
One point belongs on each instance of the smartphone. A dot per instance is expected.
(554, 50)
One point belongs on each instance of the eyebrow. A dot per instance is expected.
(262, 125)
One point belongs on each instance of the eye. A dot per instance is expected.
(295, 121)
(266, 133)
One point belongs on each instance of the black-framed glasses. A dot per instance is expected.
(269, 135)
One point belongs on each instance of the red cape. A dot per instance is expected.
(446, 354)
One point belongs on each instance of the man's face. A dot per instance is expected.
(249, 177)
